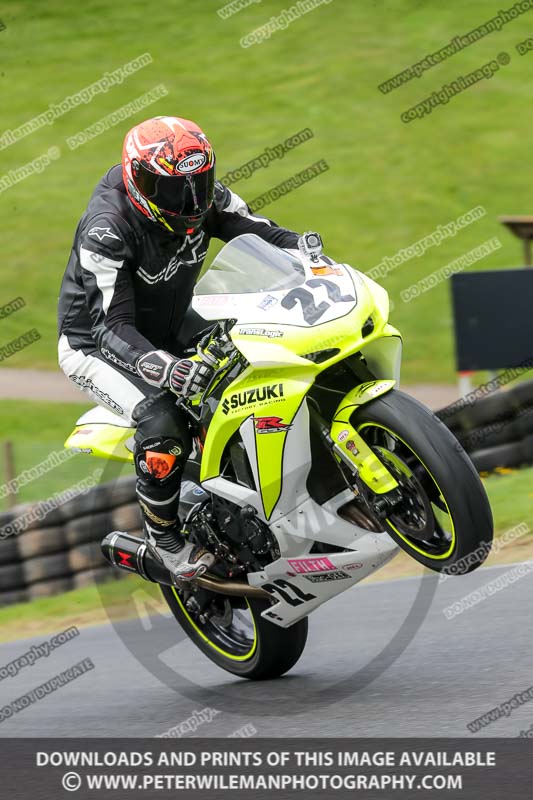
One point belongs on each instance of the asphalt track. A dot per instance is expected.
(381, 660)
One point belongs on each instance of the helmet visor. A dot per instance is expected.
(184, 195)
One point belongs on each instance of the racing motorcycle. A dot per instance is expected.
(310, 469)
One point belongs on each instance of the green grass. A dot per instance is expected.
(37, 430)
(511, 498)
(389, 184)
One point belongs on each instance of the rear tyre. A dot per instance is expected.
(444, 516)
(239, 640)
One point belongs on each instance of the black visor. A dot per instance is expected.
(184, 195)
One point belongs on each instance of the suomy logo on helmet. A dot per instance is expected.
(191, 163)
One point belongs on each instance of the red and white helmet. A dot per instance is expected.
(168, 167)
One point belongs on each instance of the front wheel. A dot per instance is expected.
(444, 516)
(234, 635)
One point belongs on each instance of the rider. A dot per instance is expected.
(124, 313)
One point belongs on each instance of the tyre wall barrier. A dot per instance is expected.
(62, 551)
(496, 430)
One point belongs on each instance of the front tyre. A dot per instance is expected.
(444, 516)
(236, 638)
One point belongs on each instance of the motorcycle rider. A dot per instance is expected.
(123, 306)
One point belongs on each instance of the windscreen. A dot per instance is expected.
(249, 264)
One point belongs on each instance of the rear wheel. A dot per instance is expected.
(444, 515)
(231, 632)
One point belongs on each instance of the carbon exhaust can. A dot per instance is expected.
(130, 554)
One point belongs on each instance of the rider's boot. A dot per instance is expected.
(159, 463)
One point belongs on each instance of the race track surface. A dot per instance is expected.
(381, 660)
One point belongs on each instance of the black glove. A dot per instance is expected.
(183, 376)
(189, 377)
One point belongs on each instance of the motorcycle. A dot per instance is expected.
(310, 468)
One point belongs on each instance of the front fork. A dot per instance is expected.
(349, 447)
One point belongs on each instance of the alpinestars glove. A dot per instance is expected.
(189, 377)
(183, 376)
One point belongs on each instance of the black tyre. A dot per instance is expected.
(9, 550)
(493, 435)
(483, 412)
(445, 515)
(12, 577)
(85, 557)
(239, 640)
(46, 568)
(88, 528)
(521, 396)
(41, 542)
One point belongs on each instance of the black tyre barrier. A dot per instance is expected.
(492, 435)
(85, 557)
(125, 518)
(12, 577)
(505, 455)
(15, 596)
(88, 528)
(497, 406)
(88, 577)
(43, 568)
(521, 395)
(40, 542)
(9, 550)
(49, 588)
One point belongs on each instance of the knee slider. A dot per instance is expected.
(162, 441)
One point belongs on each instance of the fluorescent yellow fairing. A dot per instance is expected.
(103, 440)
(371, 470)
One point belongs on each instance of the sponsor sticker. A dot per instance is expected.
(211, 299)
(270, 334)
(270, 425)
(343, 435)
(267, 302)
(100, 233)
(303, 565)
(326, 577)
(247, 397)
(351, 446)
(355, 565)
(191, 163)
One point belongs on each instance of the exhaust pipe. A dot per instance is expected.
(131, 554)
